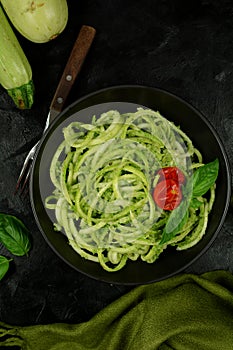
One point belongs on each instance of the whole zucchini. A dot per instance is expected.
(15, 70)
(40, 20)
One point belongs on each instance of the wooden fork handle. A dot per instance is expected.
(73, 66)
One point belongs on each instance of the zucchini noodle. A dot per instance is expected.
(104, 173)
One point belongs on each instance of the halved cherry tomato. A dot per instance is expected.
(167, 194)
(171, 173)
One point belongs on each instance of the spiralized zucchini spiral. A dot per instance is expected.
(104, 173)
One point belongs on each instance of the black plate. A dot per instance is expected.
(128, 98)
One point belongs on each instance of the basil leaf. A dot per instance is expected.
(4, 266)
(14, 235)
(176, 221)
(204, 178)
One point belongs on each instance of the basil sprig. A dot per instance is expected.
(15, 237)
(202, 180)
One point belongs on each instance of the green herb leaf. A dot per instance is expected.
(14, 235)
(195, 203)
(204, 178)
(176, 221)
(4, 266)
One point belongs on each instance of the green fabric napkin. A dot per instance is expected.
(186, 312)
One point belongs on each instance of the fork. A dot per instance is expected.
(72, 68)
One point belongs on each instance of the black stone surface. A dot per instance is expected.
(185, 47)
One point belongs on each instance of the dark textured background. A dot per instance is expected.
(185, 47)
